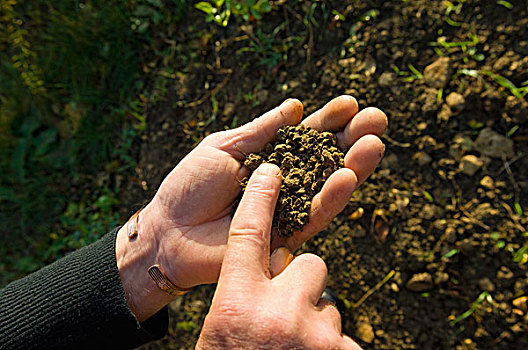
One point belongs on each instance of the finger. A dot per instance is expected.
(253, 136)
(279, 260)
(348, 344)
(334, 115)
(330, 313)
(368, 121)
(333, 197)
(306, 275)
(247, 252)
(364, 156)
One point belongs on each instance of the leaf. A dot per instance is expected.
(518, 208)
(204, 7)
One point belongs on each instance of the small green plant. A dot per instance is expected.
(411, 76)
(483, 296)
(506, 4)
(268, 48)
(518, 92)
(452, 7)
(521, 255)
(220, 11)
(467, 47)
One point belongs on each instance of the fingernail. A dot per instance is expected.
(286, 101)
(268, 169)
(283, 253)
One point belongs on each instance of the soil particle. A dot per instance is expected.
(445, 114)
(422, 158)
(306, 158)
(364, 330)
(517, 109)
(437, 73)
(492, 144)
(420, 282)
(470, 164)
(387, 79)
(456, 101)
(486, 284)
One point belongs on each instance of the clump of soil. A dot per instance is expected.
(306, 158)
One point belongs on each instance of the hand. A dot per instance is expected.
(185, 227)
(252, 308)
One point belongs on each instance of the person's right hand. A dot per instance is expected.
(251, 307)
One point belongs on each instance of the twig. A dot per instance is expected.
(513, 217)
(513, 160)
(209, 93)
(374, 289)
(396, 143)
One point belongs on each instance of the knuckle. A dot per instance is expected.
(314, 262)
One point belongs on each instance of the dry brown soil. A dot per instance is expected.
(436, 226)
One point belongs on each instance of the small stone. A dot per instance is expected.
(437, 74)
(387, 79)
(421, 282)
(470, 164)
(394, 287)
(441, 277)
(165, 126)
(364, 330)
(422, 158)
(486, 284)
(505, 273)
(487, 182)
(445, 114)
(456, 101)
(492, 144)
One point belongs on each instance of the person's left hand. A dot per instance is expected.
(185, 227)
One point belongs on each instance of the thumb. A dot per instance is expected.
(247, 253)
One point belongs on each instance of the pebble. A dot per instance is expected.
(387, 79)
(420, 282)
(445, 114)
(437, 74)
(364, 330)
(422, 158)
(492, 144)
(470, 164)
(487, 182)
(456, 101)
(486, 284)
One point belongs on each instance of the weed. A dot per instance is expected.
(268, 47)
(467, 47)
(506, 4)
(411, 76)
(483, 296)
(220, 11)
(453, 8)
(518, 92)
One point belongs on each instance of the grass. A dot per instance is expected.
(70, 106)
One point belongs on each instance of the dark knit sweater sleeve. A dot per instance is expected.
(76, 302)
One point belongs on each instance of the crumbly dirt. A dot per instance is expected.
(436, 226)
(306, 159)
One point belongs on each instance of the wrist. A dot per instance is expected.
(134, 257)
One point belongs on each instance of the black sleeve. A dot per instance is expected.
(76, 302)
